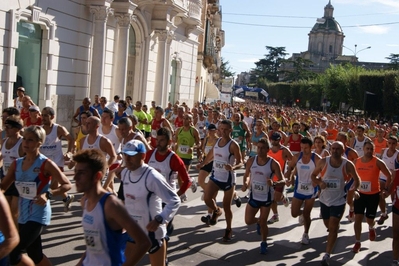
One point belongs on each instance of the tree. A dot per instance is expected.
(268, 67)
(394, 60)
(300, 70)
(225, 69)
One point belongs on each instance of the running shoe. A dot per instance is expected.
(183, 197)
(194, 185)
(305, 239)
(274, 219)
(228, 235)
(356, 247)
(395, 262)
(258, 228)
(286, 201)
(67, 203)
(206, 219)
(238, 202)
(263, 248)
(301, 220)
(215, 216)
(372, 234)
(382, 219)
(326, 260)
(351, 216)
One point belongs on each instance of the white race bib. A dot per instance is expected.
(183, 149)
(305, 188)
(154, 133)
(219, 165)
(365, 186)
(93, 240)
(27, 190)
(254, 148)
(238, 140)
(259, 187)
(6, 166)
(332, 184)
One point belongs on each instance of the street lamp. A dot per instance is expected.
(356, 52)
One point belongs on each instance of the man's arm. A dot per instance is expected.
(118, 217)
(106, 146)
(245, 178)
(197, 138)
(177, 165)
(7, 227)
(384, 169)
(351, 170)
(314, 176)
(235, 150)
(62, 132)
(291, 166)
(167, 124)
(76, 115)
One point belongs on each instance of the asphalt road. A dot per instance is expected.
(194, 243)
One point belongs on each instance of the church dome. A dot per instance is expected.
(329, 24)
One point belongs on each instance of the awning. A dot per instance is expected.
(211, 91)
(238, 99)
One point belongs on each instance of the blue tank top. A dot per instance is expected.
(117, 117)
(31, 183)
(104, 246)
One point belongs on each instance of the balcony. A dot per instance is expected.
(194, 11)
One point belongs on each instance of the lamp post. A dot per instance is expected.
(355, 52)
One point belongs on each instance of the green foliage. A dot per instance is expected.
(225, 69)
(268, 67)
(394, 60)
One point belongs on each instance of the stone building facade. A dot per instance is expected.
(63, 51)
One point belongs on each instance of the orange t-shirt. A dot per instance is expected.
(278, 156)
(369, 174)
(380, 145)
(332, 134)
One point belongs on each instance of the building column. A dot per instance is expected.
(163, 66)
(122, 53)
(101, 14)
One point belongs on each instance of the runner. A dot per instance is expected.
(84, 107)
(32, 174)
(34, 117)
(226, 158)
(145, 189)
(158, 122)
(259, 176)
(358, 141)
(52, 148)
(336, 175)
(390, 156)
(368, 166)
(9, 237)
(11, 149)
(305, 193)
(104, 217)
(281, 154)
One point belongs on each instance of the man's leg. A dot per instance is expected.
(227, 198)
(210, 191)
(307, 209)
(158, 258)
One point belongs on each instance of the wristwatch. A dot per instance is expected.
(159, 219)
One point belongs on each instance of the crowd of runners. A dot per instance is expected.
(335, 159)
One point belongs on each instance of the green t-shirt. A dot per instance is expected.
(185, 140)
(140, 116)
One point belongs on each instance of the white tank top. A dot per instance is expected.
(221, 157)
(52, 147)
(334, 194)
(163, 167)
(201, 126)
(358, 147)
(9, 155)
(389, 161)
(95, 145)
(112, 137)
(260, 174)
(313, 131)
(116, 143)
(18, 104)
(304, 172)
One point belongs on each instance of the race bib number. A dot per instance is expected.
(183, 149)
(219, 165)
(332, 184)
(259, 187)
(27, 190)
(305, 188)
(254, 148)
(365, 186)
(93, 240)
(6, 166)
(154, 133)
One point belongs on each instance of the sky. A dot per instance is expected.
(245, 44)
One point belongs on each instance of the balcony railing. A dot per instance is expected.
(194, 9)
